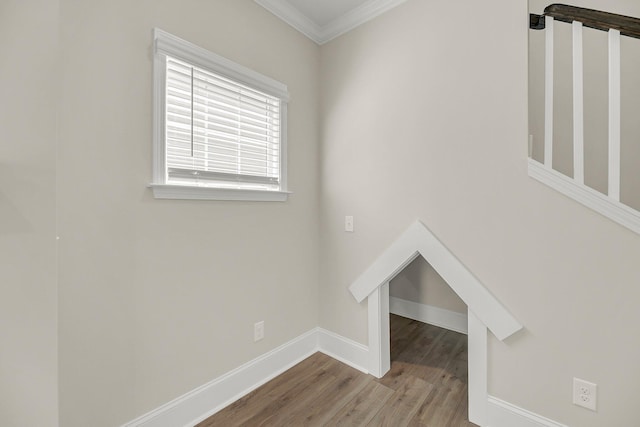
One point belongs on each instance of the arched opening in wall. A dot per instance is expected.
(428, 349)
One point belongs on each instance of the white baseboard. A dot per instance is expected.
(199, 404)
(429, 314)
(343, 349)
(206, 400)
(504, 414)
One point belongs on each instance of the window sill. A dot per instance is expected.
(185, 192)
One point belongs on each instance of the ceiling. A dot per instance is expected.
(324, 20)
(324, 11)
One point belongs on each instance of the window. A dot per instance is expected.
(219, 128)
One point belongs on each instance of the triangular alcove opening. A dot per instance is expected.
(418, 292)
(418, 240)
(485, 312)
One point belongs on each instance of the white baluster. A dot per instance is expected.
(578, 104)
(614, 114)
(548, 108)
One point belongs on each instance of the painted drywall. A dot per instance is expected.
(596, 94)
(420, 283)
(424, 116)
(158, 297)
(28, 293)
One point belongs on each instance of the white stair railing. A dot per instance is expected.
(616, 26)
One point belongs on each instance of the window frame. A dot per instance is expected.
(165, 44)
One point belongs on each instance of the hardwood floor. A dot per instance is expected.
(426, 386)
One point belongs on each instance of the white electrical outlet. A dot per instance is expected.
(258, 331)
(585, 394)
(348, 224)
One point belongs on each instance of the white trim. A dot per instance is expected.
(186, 192)
(578, 103)
(168, 44)
(429, 314)
(159, 164)
(204, 401)
(342, 24)
(484, 311)
(293, 17)
(380, 352)
(284, 125)
(477, 369)
(165, 44)
(505, 414)
(343, 349)
(614, 114)
(379, 339)
(548, 93)
(610, 208)
(419, 240)
(356, 17)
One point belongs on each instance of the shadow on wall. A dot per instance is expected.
(12, 220)
(420, 283)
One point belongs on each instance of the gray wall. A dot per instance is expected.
(424, 116)
(159, 297)
(28, 135)
(420, 283)
(147, 299)
(155, 297)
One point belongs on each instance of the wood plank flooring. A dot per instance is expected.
(426, 386)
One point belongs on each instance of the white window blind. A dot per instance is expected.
(220, 128)
(220, 132)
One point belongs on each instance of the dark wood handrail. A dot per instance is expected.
(604, 21)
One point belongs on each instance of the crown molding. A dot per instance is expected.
(356, 17)
(293, 17)
(323, 34)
